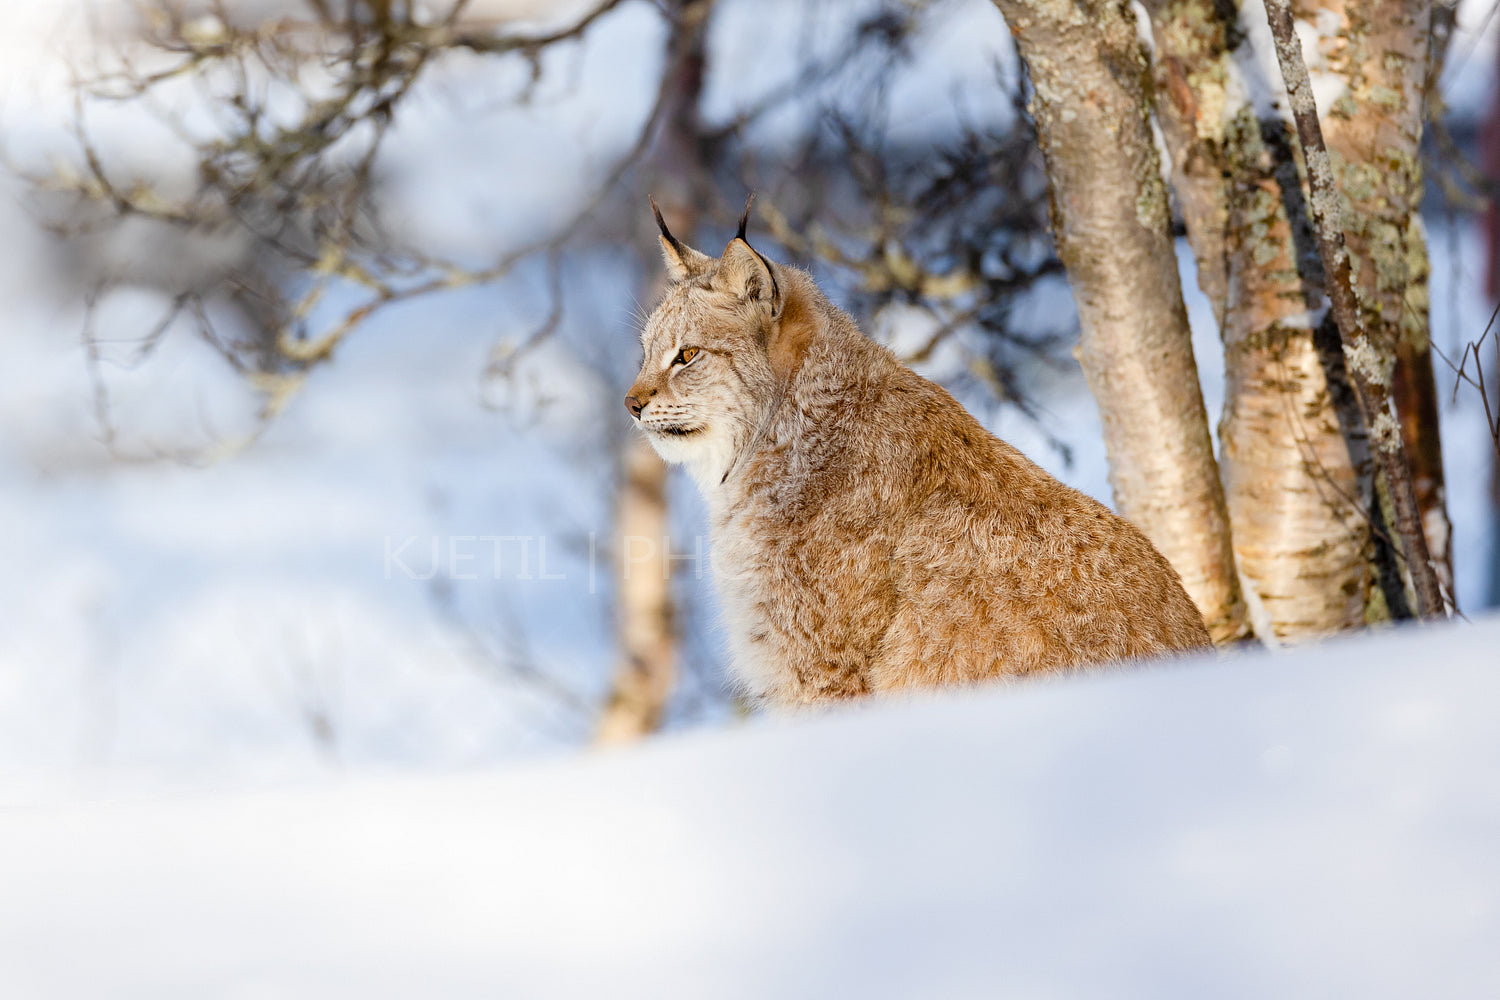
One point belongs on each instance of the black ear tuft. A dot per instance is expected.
(681, 260)
(745, 219)
(661, 224)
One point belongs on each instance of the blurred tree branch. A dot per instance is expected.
(302, 188)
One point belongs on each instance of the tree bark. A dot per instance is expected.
(647, 629)
(1295, 463)
(1415, 389)
(1380, 49)
(1192, 74)
(1111, 223)
(646, 673)
(1370, 361)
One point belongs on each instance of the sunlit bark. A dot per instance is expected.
(1112, 228)
(1373, 129)
(1297, 477)
(1367, 332)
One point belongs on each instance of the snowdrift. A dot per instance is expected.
(1320, 823)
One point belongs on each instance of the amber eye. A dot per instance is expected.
(685, 355)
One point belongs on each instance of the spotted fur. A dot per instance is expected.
(868, 535)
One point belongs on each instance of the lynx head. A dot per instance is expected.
(707, 383)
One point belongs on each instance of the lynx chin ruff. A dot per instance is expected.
(868, 534)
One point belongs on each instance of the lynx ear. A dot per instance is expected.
(748, 275)
(682, 261)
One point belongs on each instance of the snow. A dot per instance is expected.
(1320, 823)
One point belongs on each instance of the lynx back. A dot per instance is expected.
(868, 534)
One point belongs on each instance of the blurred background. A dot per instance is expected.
(318, 318)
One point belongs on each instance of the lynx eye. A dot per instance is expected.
(685, 355)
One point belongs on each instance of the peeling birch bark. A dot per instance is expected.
(1296, 476)
(1378, 50)
(1370, 363)
(1111, 223)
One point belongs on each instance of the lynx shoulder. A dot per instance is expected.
(867, 533)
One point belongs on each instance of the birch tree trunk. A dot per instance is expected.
(1297, 469)
(1112, 227)
(648, 640)
(1370, 362)
(647, 632)
(1379, 49)
(1193, 88)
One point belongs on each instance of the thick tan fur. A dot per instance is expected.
(868, 534)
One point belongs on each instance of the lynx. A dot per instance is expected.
(868, 535)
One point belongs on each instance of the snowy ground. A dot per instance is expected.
(1317, 824)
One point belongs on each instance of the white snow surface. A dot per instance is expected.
(1315, 824)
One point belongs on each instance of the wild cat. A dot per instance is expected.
(867, 534)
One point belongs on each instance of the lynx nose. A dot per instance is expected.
(635, 406)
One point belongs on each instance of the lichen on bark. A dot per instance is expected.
(1381, 52)
(1354, 295)
(1111, 221)
(1295, 470)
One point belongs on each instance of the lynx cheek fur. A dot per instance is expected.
(868, 534)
